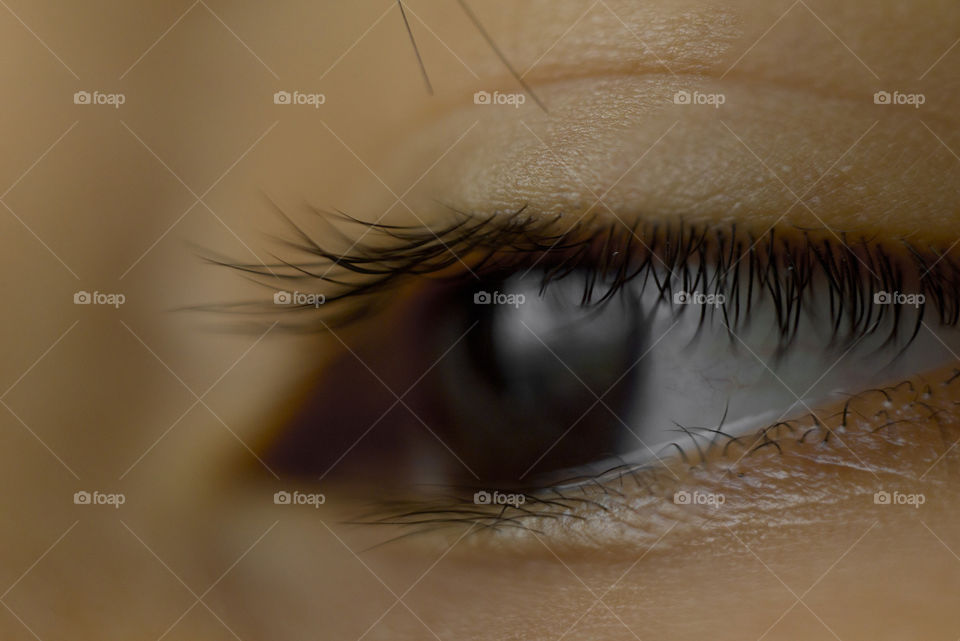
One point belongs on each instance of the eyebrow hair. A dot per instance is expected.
(416, 49)
(506, 63)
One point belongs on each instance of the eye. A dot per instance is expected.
(500, 355)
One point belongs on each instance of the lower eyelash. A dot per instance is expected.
(563, 504)
(780, 269)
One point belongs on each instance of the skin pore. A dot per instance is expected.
(800, 550)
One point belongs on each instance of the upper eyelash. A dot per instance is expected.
(779, 267)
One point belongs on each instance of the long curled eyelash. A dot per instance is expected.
(780, 267)
(563, 503)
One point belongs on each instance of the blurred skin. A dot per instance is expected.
(112, 406)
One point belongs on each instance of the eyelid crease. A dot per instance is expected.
(781, 265)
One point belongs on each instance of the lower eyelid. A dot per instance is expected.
(898, 437)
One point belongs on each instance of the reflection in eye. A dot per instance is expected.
(547, 360)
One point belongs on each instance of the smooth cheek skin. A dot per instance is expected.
(799, 549)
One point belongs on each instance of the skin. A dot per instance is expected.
(112, 406)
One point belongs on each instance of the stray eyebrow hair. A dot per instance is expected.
(782, 265)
